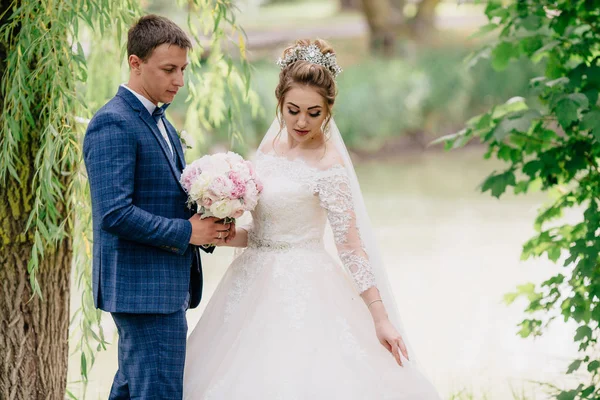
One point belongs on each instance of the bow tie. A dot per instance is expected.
(159, 112)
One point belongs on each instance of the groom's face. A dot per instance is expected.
(160, 76)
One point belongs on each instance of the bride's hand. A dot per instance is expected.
(232, 233)
(390, 339)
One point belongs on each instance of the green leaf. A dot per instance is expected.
(570, 395)
(531, 22)
(451, 138)
(563, 80)
(497, 184)
(480, 121)
(509, 298)
(543, 51)
(582, 333)
(530, 327)
(594, 365)
(532, 168)
(566, 111)
(591, 123)
(83, 366)
(495, 9)
(537, 80)
(588, 391)
(554, 253)
(502, 54)
(217, 20)
(510, 106)
(521, 187)
(580, 99)
(563, 21)
(518, 121)
(574, 366)
(505, 153)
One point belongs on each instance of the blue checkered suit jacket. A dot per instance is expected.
(142, 262)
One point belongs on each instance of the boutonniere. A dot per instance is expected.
(185, 139)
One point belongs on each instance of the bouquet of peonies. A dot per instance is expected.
(222, 185)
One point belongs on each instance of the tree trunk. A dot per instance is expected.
(379, 18)
(346, 5)
(424, 21)
(33, 331)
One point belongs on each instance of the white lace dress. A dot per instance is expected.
(286, 322)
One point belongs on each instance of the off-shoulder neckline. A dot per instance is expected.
(301, 161)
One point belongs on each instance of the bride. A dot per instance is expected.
(286, 321)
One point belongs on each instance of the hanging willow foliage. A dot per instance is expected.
(44, 198)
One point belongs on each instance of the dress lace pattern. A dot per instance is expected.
(304, 197)
(290, 220)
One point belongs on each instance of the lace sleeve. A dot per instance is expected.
(335, 196)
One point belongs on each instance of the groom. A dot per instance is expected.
(146, 269)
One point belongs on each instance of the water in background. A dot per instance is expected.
(451, 253)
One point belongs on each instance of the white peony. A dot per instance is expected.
(243, 171)
(199, 186)
(233, 158)
(218, 164)
(223, 208)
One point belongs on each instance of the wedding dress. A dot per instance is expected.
(286, 321)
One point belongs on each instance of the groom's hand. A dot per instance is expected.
(208, 230)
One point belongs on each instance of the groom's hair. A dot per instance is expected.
(150, 32)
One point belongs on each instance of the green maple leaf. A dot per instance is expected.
(591, 122)
(566, 111)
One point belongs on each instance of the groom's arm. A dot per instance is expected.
(109, 150)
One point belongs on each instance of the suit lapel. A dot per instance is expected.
(147, 118)
(176, 142)
(135, 104)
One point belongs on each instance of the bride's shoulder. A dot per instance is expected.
(331, 159)
(332, 163)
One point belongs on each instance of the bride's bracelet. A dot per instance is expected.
(374, 301)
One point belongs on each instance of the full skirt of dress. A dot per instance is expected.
(287, 324)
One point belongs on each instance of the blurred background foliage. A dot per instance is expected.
(401, 97)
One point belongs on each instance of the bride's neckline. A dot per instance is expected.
(298, 160)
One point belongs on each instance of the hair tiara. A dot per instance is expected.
(313, 55)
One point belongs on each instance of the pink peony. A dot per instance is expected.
(221, 188)
(188, 176)
(238, 183)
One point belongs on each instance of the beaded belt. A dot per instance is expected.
(258, 243)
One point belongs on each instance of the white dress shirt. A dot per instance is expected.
(151, 107)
